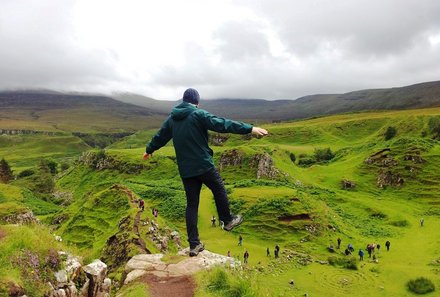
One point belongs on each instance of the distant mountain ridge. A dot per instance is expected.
(420, 95)
(53, 111)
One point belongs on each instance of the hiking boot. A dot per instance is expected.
(196, 250)
(236, 220)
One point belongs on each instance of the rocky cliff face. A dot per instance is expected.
(262, 163)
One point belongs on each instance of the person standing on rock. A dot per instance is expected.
(188, 126)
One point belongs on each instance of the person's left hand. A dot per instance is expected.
(147, 156)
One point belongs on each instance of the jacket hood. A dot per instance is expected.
(182, 110)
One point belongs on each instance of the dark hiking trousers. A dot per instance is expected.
(192, 186)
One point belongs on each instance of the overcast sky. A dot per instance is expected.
(271, 49)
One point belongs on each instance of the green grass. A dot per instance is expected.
(304, 210)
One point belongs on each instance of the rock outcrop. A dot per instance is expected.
(92, 279)
(231, 158)
(263, 163)
(25, 218)
(265, 166)
(143, 264)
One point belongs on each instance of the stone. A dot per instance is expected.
(143, 261)
(134, 274)
(61, 276)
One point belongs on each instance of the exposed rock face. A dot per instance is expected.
(347, 184)
(218, 139)
(387, 178)
(262, 162)
(231, 158)
(97, 285)
(91, 279)
(21, 132)
(265, 167)
(144, 264)
(25, 218)
(102, 161)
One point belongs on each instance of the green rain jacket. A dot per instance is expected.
(188, 126)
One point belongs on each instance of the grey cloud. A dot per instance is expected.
(39, 49)
(240, 41)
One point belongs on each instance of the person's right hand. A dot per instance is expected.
(259, 131)
(146, 156)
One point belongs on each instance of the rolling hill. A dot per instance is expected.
(56, 112)
(415, 96)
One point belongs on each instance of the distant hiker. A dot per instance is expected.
(246, 256)
(387, 244)
(156, 212)
(347, 252)
(350, 247)
(240, 240)
(213, 221)
(267, 252)
(277, 251)
(339, 242)
(369, 250)
(422, 221)
(188, 126)
(229, 253)
(361, 255)
(378, 247)
(141, 204)
(222, 225)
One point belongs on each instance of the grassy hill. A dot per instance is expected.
(39, 111)
(303, 207)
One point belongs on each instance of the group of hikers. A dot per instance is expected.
(246, 253)
(141, 205)
(370, 248)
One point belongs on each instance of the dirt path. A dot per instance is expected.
(139, 241)
(182, 286)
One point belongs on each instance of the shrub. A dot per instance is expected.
(390, 133)
(421, 285)
(306, 161)
(434, 126)
(292, 157)
(5, 171)
(25, 173)
(349, 263)
(322, 155)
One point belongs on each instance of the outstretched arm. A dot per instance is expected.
(223, 125)
(159, 140)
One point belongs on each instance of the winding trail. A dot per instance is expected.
(139, 241)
